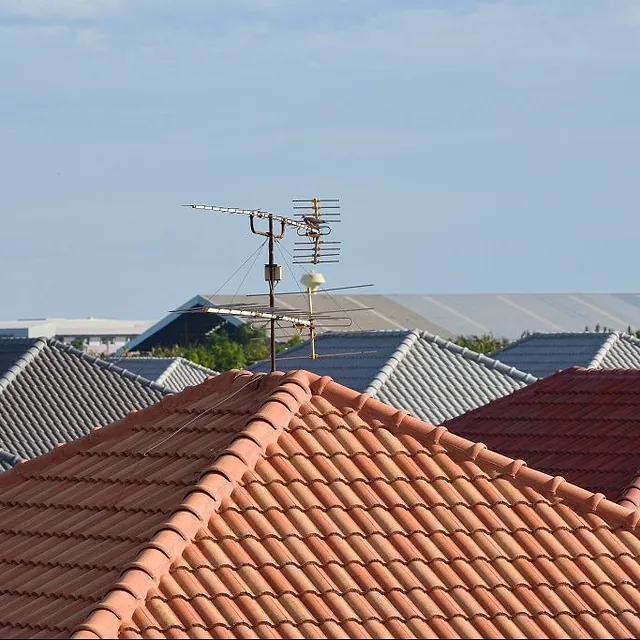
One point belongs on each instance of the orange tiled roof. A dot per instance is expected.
(291, 506)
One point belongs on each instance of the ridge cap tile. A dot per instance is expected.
(240, 456)
(579, 497)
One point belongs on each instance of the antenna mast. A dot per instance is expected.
(313, 226)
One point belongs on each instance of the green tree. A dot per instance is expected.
(226, 347)
(486, 343)
(78, 343)
(291, 342)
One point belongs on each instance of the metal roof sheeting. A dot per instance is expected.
(506, 315)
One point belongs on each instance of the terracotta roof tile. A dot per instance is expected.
(289, 506)
(581, 424)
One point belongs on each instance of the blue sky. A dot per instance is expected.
(475, 146)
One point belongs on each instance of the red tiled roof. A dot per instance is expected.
(294, 507)
(582, 424)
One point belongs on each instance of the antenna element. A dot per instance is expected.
(314, 226)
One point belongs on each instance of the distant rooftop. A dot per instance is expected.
(50, 327)
(178, 328)
(52, 393)
(542, 354)
(429, 376)
(579, 424)
(175, 374)
(506, 315)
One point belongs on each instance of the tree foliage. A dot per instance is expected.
(78, 343)
(227, 347)
(486, 343)
(291, 342)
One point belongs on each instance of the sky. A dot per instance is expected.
(475, 146)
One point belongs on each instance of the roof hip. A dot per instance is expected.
(39, 344)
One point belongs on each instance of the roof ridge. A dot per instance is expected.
(604, 349)
(173, 365)
(629, 337)
(630, 497)
(554, 487)
(392, 363)
(196, 365)
(112, 366)
(201, 500)
(39, 344)
(481, 358)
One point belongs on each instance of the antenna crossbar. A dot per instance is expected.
(292, 317)
(257, 213)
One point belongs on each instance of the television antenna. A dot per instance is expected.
(313, 225)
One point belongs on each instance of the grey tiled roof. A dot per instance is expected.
(369, 352)
(542, 354)
(429, 376)
(172, 373)
(52, 393)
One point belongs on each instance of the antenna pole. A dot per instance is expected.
(312, 329)
(272, 296)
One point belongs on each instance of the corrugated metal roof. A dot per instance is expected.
(510, 314)
(506, 315)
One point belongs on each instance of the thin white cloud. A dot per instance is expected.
(57, 9)
(502, 32)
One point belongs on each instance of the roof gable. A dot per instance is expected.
(542, 354)
(178, 328)
(432, 377)
(54, 393)
(581, 424)
(287, 505)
